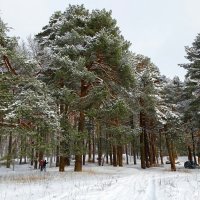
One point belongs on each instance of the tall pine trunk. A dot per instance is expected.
(32, 154)
(160, 145)
(99, 142)
(62, 164)
(142, 141)
(119, 155)
(142, 150)
(153, 153)
(9, 156)
(78, 156)
(170, 152)
(36, 160)
(193, 148)
(198, 150)
(57, 155)
(134, 152)
(190, 154)
(111, 154)
(90, 141)
(84, 154)
(114, 161)
(93, 147)
(1, 146)
(146, 146)
(126, 149)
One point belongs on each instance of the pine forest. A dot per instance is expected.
(75, 93)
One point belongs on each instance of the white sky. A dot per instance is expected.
(158, 29)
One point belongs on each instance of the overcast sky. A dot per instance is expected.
(159, 29)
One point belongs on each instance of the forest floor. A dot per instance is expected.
(100, 183)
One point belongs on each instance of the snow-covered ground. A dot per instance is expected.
(100, 183)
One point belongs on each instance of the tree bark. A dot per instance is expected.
(142, 138)
(190, 154)
(134, 153)
(84, 154)
(1, 146)
(146, 146)
(93, 147)
(198, 150)
(62, 164)
(114, 156)
(99, 143)
(154, 150)
(36, 160)
(170, 152)
(78, 163)
(126, 149)
(119, 156)
(78, 156)
(57, 156)
(111, 155)
(193, 148)
(107, 148)
(9, 156)
(142, 151)
(32, 155)
(161, 153)
(89, 143)
(41, 154)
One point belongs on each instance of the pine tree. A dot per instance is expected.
(23, 98)
(147, 74)
(192, 91)
(7, 50)
(193, 81)
(87, 51)
(169, 115)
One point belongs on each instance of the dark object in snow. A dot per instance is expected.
(190, 165)
(43, 164)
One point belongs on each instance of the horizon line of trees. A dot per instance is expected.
(75, 90)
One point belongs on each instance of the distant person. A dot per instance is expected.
(44, 165)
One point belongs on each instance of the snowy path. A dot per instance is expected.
(137, 186)
(129, 187)
(148, 185)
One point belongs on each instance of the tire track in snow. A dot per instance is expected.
(151, 189)
(137, 186)
(132, 187)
